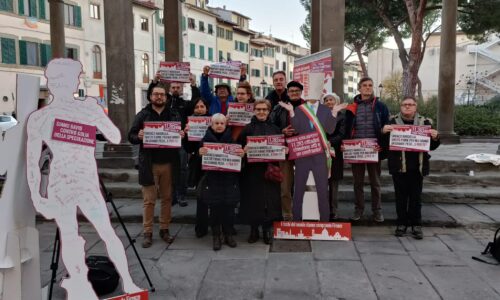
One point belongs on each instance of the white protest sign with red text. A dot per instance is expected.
(319, 62)
(162, 135)
(171, 71)
(265, 148)
(135, 296)
(304, 145)
(410, 138)
(221, 157)
(198, 127)
(240, 114)
(320, 231)
(359, 151)
(226, 70)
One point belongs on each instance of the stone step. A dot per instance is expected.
(116, 163)
(119, 175)
(431, 193)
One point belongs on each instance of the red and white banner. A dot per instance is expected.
(360, 151)
(221, 157)
(304, 145)
(198, 127)
(240, 114)
(321, 231)
(171, 71)
(162, 135)
(265, 148)
(135, 296)
(410, 138)
(74, 133)
(320, 62)
(227, 70)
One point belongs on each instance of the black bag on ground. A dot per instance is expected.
(102, 274)
(492, 248)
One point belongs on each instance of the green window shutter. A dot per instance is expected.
(22, 53)
(210, 54)
(192, 50)
(162, 44)
(202, 52)
(8, 51)
(158, 21)
(78, 16)
(183, 23)
(41, 8)
(32, 12)
(6, 5)
(45, 54)
(21, 7)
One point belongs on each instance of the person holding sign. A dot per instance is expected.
(281, 118)
(260, 202)
(219, 102)
(312, 117)
(408, 169)
(156, 166)
(220, 190)
(365, 119)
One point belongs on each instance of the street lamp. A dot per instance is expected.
(263, 83)
(469, 85)
(380, 88)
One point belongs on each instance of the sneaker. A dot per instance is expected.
(357, 215)
(182, 202)
(165, 235)
(417, 233)
(378, 216)
(400, 230)
(147, 240)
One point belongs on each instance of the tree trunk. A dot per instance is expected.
(361, 61)
(419, 90)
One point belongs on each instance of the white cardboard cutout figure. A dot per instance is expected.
(73, 179)
(19, 246)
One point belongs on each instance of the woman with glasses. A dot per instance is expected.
(260, 203)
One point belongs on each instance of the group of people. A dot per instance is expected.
(259, 200)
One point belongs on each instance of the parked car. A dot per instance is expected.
(7, 122)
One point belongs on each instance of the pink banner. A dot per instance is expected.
(410, 138)
(221, 157)
(74, 133)
(240, 114)
(304, 145)
(266, 148)
(360, 151)
(162, 135)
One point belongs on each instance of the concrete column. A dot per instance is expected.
(447, 65)
(172, 13)
(327, 31)
(57, 28)
(120, 64)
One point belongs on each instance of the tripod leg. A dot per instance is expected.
(54, 262)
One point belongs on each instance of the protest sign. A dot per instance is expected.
(171, 71)
(410, 138)
(322, 231)
(135, 296)
(221, 157)
(304, 145)
(240, 114)
(360, 151)
(162, 135)
(227, 70)
(75, 133)
(319, 62)
(265, 148)
(198, 127)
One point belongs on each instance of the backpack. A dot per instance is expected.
(492, 248)
(102, 274)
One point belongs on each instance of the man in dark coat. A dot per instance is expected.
(318, 163)
(156, 166)
(408, 170)
(279, 93)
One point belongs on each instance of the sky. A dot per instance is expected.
(281, 18)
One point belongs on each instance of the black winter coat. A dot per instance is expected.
(220, 188)
(336, 139)
(260, 198)
(274, 98)
(147, 114)
(194, 162)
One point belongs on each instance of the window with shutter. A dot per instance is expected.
(8, 47)
(32, 8)
(41, 9)
(162, 44)
(45, 54)
(210, 54)
(6, 5)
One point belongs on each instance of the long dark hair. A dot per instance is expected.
(193, 105)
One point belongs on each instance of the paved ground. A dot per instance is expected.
(375, 265)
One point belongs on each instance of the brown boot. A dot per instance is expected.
(165, 235)
(147, 240)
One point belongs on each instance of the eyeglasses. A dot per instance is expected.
(408, 104)
(158, 94)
